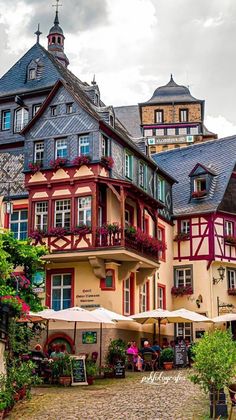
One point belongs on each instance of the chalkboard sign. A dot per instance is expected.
(119, 369)
(78, 373)
(180, 355)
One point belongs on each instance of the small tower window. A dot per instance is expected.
(53, 40)
(59, 40)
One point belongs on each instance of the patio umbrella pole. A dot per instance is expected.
(47, 333)
(74, 334)
(100, 362)
(154, 332)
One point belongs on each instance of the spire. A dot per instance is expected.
(38, 33)
(93, 81)
(56, 39)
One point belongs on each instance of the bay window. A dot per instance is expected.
(84, 147)
(84, 211)
(62, 213)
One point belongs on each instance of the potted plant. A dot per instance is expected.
(61, 369)
(108, 371)
(167, 358)
(91, 370)
(116, 352)
(215, 367)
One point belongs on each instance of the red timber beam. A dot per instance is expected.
(95, 197)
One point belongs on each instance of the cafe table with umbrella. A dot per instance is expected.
(107, 316)
(162, 316)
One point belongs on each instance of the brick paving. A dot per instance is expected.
(132, 398)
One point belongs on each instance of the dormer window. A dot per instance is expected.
(32, 74)
(200, 187)
(53, 111)
(69, 108)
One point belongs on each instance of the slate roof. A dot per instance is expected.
(171, 92)
(217, 155)
(130, 118)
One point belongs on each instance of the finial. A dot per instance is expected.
(38, 33)
(93, 81)
(171, 77)
(56, 20)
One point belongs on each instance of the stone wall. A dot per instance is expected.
(171, 113)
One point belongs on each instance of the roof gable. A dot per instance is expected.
(200, 169)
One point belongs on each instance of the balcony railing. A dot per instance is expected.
(106, 236)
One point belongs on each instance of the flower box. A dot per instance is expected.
(229, 239)
(58, 163)
(199, 194)
(232, 292)
(58, 232)
(81, 230)
(81, 160)
(181, 291)
(34, 167)
(182, 236)
(107, 161)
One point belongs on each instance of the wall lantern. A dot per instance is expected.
(199, 300)
(221, 271)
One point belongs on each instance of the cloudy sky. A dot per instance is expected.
(133, 45)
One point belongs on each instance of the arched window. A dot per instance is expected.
(59, 40)
(21, 119)
(53, 40)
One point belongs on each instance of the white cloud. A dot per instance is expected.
(220, 125)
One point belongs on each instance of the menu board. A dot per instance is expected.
(78, 373)
(119, 370)
(180, 355)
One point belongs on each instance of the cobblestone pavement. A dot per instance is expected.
(131, 398)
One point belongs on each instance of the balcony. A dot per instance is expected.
(109, 238)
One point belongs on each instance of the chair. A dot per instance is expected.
(232, 394)
(130, 362)
(148, 361)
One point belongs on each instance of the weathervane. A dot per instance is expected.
(38, 33)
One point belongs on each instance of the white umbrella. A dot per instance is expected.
(107, 316)
(225, 318)
(184, 315)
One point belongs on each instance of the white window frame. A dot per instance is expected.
(160, 132)
(229, 228)
(4, 119)
(69, 108)
(161, 189)
(63, 208)
(38, 152)
(198, 184)
(185, 226)
(128, 165)
(143, 297)
(61, 287)
(85, 210)
(231, 275)
(194, 130)
(171, 131)
(84, 143)
(142, 175)
(183, 115)
(127, 297)
(183, 131)
(186, 280)
(105, 145)
(160, 297)
(159, 116)
(19, 221)
(148, 132)
(32, 74)
(184, 329)
(53, 110)
(61, 148)
(36, 108)
(41, 215)
(21, 121)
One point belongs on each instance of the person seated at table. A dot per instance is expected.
(156, 347)
(165, 343)
(63, 348)
(172, 344)
(57, 353)
(147, 348)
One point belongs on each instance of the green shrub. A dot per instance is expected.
(116, 351)
(167, 355)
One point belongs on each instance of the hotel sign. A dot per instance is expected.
(170, 140)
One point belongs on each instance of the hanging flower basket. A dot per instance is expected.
(34, 167)
(107, 161)
(232, 292)
(181, 291)
(229, 239)
(58, 163)
(81, 160)
(16, 304)
(199, 194)
(182, 237)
